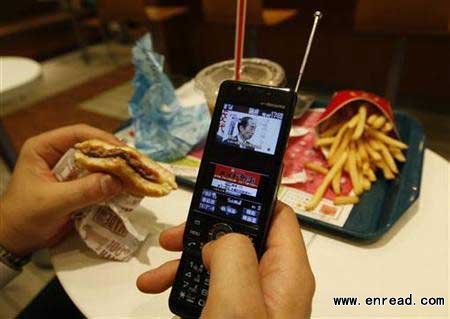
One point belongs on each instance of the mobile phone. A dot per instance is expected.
(237, 183)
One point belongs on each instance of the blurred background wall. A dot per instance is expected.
(356, 45)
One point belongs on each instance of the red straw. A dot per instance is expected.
(239, 37)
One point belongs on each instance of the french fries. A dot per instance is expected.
(372, 153)
(359, 146)
(345, 200)
(330, 131)
(388, 158)
(341, 148)
(324, 141)
(387, 127)
(362, 151)
(397, 153)
(371, 119)
(353, 171)
(338, 139)
(326, 182)
(386, 139)
(336, 182)
(371, 175)
(388, 174)
(354, 121)
(366, 184)
(361, 121)
(316, 168)
(374, 145)
(379, 122)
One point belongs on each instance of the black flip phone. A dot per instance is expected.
(237, 183)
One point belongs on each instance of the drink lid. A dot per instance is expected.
(254, 70)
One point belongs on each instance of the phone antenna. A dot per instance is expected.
(317, 17)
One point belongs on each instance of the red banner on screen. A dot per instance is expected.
(238, 176)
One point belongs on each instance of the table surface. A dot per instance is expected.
(412, 258)
(17, 72)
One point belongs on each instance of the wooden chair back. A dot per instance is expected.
(224, 11)
(121, 11)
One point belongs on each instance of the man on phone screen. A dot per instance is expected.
(246, 129)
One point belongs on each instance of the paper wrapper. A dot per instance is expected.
(105, 228)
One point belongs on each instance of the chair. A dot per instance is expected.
(157, 19)
(83, 18)
(419, 18)
(224, 12)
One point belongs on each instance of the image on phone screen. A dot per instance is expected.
(249, 128)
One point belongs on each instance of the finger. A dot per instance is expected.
(285, 230)
(91, 189)
(286, 240)
(159, 279)
(285, 262)
(234, 290)
(53, 144)
(172, 239)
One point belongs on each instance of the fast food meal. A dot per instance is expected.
(359, 144)
(140, 175)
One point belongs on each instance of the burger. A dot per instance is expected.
(140, 175)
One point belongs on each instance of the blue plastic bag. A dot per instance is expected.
(165, 130)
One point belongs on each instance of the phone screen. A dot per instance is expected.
(232, 192)
(249, 128)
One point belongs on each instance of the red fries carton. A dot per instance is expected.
(344, 104)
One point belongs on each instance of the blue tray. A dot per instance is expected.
(379, 208)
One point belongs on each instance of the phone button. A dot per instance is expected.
(194, 232)
(218, 230)
(201, 302)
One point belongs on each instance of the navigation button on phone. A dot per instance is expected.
(218, 230)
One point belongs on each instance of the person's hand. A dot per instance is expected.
(280, 286)
(35, 210)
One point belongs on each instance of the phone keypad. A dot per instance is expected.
(195, 283)
(194, 276)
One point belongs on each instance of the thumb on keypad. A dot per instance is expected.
(234, 286)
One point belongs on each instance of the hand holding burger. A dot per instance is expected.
(35, 209)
